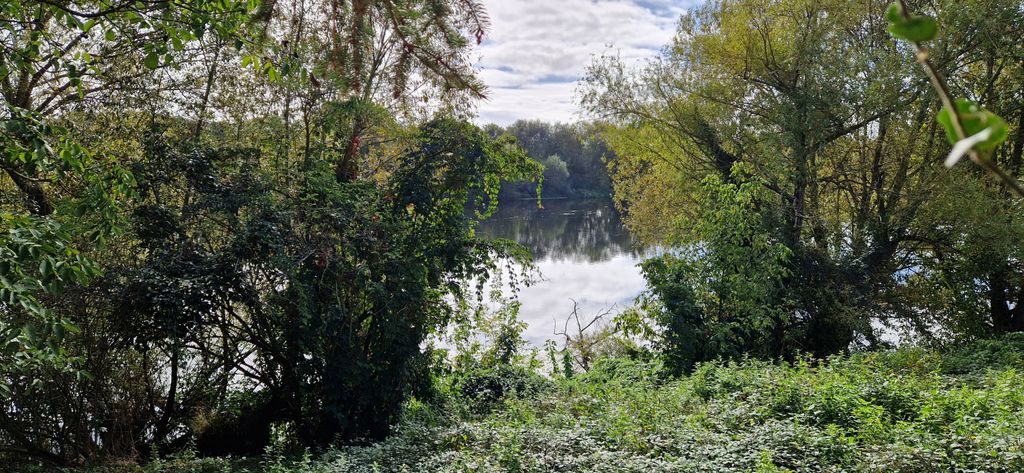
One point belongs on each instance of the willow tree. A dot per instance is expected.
(814, 99)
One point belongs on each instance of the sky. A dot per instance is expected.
(538, 49)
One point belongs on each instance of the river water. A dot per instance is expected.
(583, 252)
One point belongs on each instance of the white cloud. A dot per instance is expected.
(537, 49)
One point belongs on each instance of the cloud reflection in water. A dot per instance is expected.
(582, 251)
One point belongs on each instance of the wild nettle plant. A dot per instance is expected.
(972, 130)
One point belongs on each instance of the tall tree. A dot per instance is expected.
(814, 99)
(62, 199)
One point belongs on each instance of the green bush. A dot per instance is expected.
(979, 356)
(487, 386)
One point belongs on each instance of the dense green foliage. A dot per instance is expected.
(864, 232)
(317, 301)
(723, 298)
(904, 411)
(53, 57)
(215, 220)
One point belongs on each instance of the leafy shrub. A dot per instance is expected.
(985, 354)
(486, 386)
(622, 371)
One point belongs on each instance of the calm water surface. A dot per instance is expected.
(582, 251)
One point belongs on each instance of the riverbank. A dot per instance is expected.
(902, 411)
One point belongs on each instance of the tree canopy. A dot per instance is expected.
(817, 105)
(222, 215)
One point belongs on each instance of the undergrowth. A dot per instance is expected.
(911, 410)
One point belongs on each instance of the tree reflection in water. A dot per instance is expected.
(583, 252)
(583, 231)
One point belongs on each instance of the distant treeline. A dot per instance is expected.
(574, 158)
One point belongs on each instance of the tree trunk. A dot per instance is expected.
(1004, 319)
(35, 196)
(164, 423)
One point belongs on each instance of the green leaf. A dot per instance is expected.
(110, 35)
(975, 119)
(152, 60)
(917, 29)
(894, 14)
